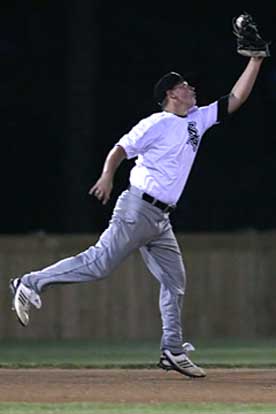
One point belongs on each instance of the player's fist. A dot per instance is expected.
(102, 189)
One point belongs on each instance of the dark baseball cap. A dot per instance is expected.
(167, 82)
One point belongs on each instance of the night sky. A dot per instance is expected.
(76, 76)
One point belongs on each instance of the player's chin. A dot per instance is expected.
(192, 103)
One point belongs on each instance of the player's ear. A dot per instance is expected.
(170, 93)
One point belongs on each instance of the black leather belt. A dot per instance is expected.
(166, 208)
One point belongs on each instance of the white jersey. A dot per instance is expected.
(166, 146)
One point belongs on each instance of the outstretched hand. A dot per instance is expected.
(249, 41)
(102, 189)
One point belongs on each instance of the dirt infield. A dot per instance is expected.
(113, 385)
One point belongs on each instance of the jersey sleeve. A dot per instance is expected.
(215, 112)
(139, 138)
(223, 108)
(209, 115)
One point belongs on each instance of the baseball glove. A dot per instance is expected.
(249, 41)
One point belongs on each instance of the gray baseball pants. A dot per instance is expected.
(135, 223)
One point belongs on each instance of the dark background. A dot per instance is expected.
(77, 75)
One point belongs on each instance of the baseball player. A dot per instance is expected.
(165, 144)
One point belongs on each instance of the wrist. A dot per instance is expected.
(257, 59)
(107, 174)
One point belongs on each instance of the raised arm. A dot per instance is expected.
(103, 187)
(250, 43)
(244, 85)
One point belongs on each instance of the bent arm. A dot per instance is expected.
(244, 85)
(103, 187)
(113, 160)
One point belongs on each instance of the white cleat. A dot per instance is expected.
(23, 297)
(181, 363)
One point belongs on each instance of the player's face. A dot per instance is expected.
(185, 94)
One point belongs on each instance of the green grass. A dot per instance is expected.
(101, 408)
(97, 354)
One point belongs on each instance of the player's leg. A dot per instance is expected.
(164, 260)
(92, 264)
(128, 229)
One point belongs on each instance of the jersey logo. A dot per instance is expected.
(193, 135)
